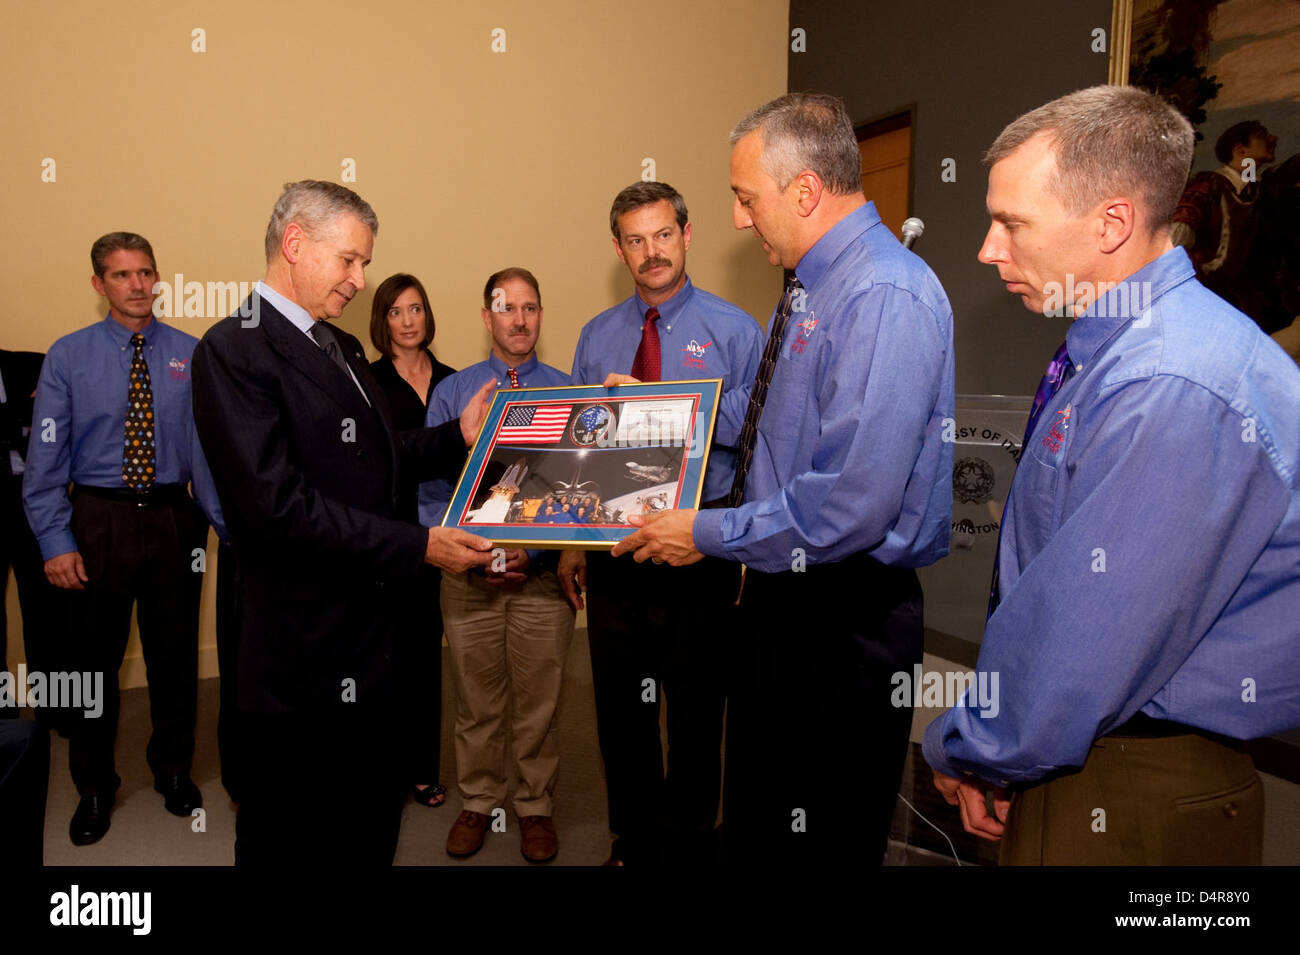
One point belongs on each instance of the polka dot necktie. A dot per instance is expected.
(138, 470)
(646, 366)
(514, 379)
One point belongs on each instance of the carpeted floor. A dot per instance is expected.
(143, 833)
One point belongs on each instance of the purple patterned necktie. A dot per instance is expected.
(1059, 370)
(1058, 373)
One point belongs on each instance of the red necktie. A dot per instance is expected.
(514, 379)
(645, 367)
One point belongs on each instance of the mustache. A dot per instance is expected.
(655, 263)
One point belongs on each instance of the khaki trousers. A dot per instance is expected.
(508, 644)
(1179, 800)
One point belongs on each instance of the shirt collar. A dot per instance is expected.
(122, 335)
(1130, 299)
(502, 370)
(1233, 176)
(298, 316)
(669, 310)
(818, 260)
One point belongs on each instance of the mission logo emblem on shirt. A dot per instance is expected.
(695, 353)
(1055, 438)
(178, 368)
(805, 332)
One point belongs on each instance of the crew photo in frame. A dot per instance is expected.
(567, 466)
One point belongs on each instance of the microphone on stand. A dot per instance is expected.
(912, 230)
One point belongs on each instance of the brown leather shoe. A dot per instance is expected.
(467, 832)
(539, 843)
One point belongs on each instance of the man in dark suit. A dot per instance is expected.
(306, 463)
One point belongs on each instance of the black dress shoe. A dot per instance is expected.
(90, 821)
(180, 795)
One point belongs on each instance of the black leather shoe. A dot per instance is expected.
(180, 795)
(90, 821)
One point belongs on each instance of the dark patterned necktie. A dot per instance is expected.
(646, 365)
(514, 378)
(138, 451)
(749, 430)
(1059, 371)
(323, 333)
(324, 336)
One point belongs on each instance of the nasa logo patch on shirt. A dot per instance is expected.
(1054, 440)
(179, 368)
(805, 332)
(695, 354)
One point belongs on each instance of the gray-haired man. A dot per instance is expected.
(306, 464)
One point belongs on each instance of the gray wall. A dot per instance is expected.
(967, 68)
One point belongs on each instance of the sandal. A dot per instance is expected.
(431, 796)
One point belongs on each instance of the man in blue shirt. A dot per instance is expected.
(508, 627)
(847, 490)
(656, 623)
(1146, 586)
(114, 419)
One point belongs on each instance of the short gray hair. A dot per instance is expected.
(1109, 141)
(807, 131)
(314, 204)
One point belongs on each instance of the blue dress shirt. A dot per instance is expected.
(700, 336)
(849, 456)
(80, 414)
(449, 399)
(1149, 545)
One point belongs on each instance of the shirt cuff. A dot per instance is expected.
(706, 532)
(56, 543)
(932, 748)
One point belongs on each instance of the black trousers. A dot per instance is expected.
(141, 555)
(418, 664)
(320, 790)
(230, 748)
(43, 610)
(24, 778)
(815, 749)
(658, 630)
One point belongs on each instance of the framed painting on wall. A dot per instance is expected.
(1229, 67)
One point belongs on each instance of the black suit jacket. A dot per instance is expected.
(409, 412)
(308, 475)
(19, 370)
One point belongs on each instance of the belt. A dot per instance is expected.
(1142, 726)
(146, 497)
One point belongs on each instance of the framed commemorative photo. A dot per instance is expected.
(565, 467)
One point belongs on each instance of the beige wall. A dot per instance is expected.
(473, 160)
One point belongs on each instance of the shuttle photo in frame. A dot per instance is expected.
(565, 467)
